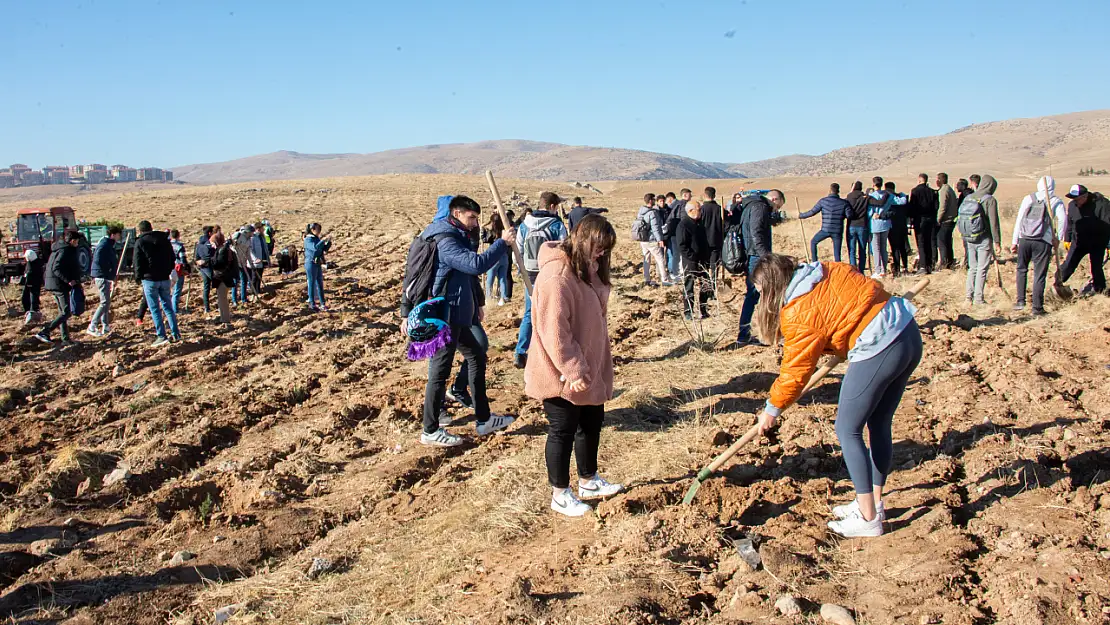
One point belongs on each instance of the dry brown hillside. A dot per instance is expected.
(273, 473)
(520, 159)
(1017, 147)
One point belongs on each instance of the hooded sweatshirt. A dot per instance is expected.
(538, 220)
(858, 217)
(570, 337)
(62, 267)
(154, 258)
(985, 196)
(649, 215)
(1046, 191)
(458, 268)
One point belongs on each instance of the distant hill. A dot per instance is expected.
(1020, 147)
(510, 158)
(1013, 147)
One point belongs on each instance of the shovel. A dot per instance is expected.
(752, 432)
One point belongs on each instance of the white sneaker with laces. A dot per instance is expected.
(440, 438)
(494, 424)
(597, 487)
(845, 510)
(500, 302)
(855, 526)
(566, 503)
(93, 332)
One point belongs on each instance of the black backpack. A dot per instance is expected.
(420, 273)
(734, 256)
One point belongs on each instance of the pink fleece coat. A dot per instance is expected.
(570, 336)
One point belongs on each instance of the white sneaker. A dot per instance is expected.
(845, 510)
(855, 526)
(878, 276)
(93, 332)
(29, 319)
(566, 503)
(494, 424)
(597, 487)
(440, 438)
(106, 330)
(500, 302)
(160, 341)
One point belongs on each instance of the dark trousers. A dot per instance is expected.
(31, 297)
(256, 279)
(693, 292)
(205, 290)
(462, 380)
(751, 299)
(463, 339)
(1039, 253)
(899, 250)
(62, 298)
(946, 257)
(571, 427)
(926, 256)
(1096, 252)
(821, 235)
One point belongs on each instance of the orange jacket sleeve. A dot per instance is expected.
(803, 345)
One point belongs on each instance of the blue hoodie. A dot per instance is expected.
(104, 259)
(459, 266)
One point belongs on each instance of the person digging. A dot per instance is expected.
(817, 308)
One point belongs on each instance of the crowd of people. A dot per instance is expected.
(232, 265)
(809, 307)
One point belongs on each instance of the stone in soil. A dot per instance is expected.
(181, 557)
(318, 567)
(836, 615)
(787, 605)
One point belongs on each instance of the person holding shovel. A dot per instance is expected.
(818, 308)
(571, 368)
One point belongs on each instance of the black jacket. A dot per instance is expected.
(154, 257)
(32, 273)
(714, 224)
(578, 213)
(223, 265)
(858, 217)
(756, 225)
(62, 267)
(1090, 224)
(693, 243)
(923, 205)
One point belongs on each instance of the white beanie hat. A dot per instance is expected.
(30, 256)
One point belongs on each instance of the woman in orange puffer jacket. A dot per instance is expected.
(819, 308)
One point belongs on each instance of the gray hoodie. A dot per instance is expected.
(985, 194)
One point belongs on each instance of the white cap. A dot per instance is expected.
(30, 256)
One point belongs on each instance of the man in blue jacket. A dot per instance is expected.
(104, 263)
(458, 268)
(834, 210)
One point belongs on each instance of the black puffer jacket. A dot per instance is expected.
(154, 257)
(756, 225)
(62, 267)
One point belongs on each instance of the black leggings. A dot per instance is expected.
(570, 426)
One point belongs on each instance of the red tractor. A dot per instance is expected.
(37, 229)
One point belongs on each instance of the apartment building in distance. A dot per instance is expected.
(21, 175)
(56, 174)
(7, 180)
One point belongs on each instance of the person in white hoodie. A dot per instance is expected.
(1034, 240)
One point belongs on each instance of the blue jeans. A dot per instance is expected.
(178, 288)
(315, 273)
(158, 300)
(500, 272)
(244, 284)
(857, 247)
(673, 258)
(751, 298)
(821, 236)
(524, 338)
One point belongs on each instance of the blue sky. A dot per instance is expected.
(173, 83)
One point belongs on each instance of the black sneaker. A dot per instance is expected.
(520, 360)
(462, 398)
(43, 338)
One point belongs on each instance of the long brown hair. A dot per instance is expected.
(495, 225)
(772, 274)
(593, 233)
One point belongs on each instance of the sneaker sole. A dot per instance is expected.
(870, 534)
(567, 513)
(583, 495)
(434, 444)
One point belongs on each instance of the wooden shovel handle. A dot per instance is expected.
(505, 220)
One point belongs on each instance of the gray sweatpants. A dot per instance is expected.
(869, 395)
(979, 258)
